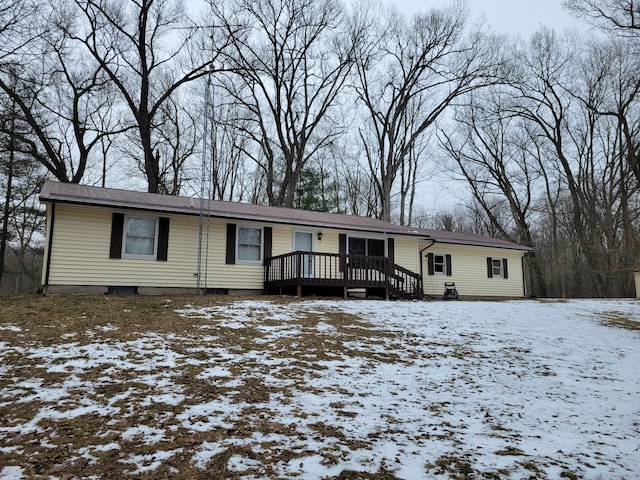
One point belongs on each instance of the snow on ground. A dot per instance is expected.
(424, 390)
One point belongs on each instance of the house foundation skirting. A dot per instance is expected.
(124, 290)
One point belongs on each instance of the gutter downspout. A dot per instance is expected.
(49, 247)
(524, 274)
(433, 242)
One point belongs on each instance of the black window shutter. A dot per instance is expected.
(268, 244)
(391, 250)
(505, 271)
(489, 267)
(231, 243)
(448, 265)
(342, 250)
(117, 229)
(430, 264)
(163, 239)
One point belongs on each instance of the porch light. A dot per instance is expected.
(319, 235)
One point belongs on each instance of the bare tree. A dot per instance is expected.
(610, 97)
(491, 149)
(59, 94)
(230, 170)
(543, 159)
(15, 25)
(134, 43)
(620, 17)
(290, 60)
(21, 178)
(175, 140)
(409, 73)
(542, 98)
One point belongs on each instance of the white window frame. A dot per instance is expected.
(245, 261)
(443, 263)
(152, 256)
(499, 262)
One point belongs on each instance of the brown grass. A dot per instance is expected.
(65, 415)
(618, 319)
(70, 444)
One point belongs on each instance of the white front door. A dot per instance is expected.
(303, 242)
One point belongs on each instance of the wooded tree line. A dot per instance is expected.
(344, 108)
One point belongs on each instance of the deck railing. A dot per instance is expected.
(335, 270)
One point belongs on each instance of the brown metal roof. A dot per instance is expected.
(128, 199)
(460, 238)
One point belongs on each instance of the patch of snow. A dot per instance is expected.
(214, 372)
(166, 398)
(208, 416)
(109, 327)
(312, 466)
(241, 464)
(207, 451)
(238, 382)
(11, 328)
(11, 473)
(148, 435)
(106, 447)
(149, 462)
(323, 327)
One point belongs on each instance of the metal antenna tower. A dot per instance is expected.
(205, 190)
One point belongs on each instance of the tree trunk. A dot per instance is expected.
(7, 205)
(8, 194)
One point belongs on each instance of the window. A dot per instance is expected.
(373, 247)
(439, 264)
(497, 268)
(140, 237)
(249, 245)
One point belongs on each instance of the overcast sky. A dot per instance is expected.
(521, 17)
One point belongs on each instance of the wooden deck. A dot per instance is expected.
(328, 273)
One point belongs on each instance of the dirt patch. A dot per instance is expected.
(620, 320)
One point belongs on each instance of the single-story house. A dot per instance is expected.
(112, 240)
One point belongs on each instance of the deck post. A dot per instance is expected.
(282, 277)
(299, 290)
(298, 265)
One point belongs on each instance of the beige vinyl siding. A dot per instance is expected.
(80, 252)
(406, 253)
(330, 242)
(469, 267)
(282, 239)
(239, 276)
(81, 244)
